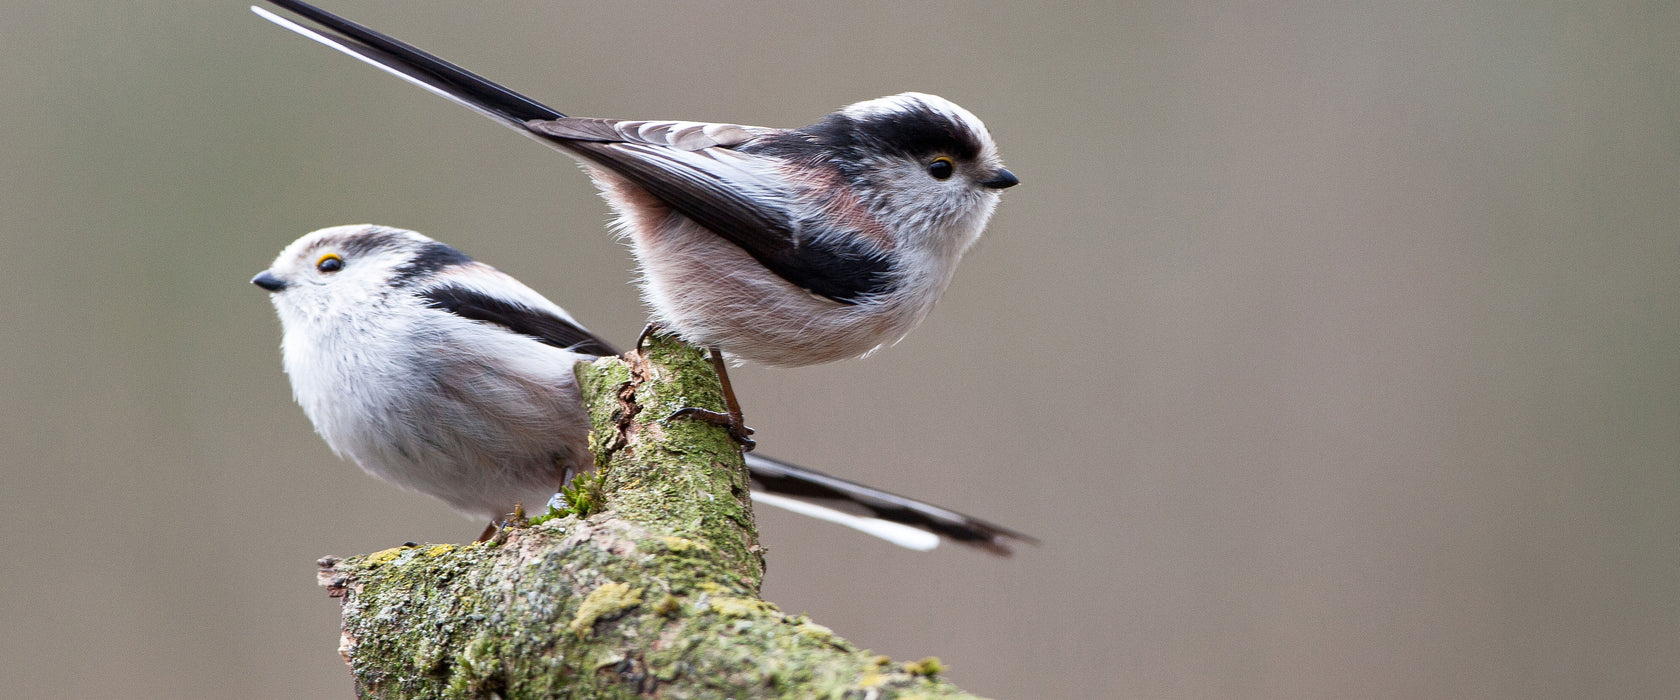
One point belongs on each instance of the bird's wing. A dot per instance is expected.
(689, 166)
(516, 308)
(752, 200)
(681, 135)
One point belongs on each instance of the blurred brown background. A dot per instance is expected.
(1333, 352)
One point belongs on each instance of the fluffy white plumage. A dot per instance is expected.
(445, 376)
(784, 247)
(482, 421)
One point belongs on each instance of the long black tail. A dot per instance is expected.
(838, 496)
(409, 63)
(904, 521)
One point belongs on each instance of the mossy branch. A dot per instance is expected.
(654, 596)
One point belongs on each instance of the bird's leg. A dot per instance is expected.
(732, 420)
(737, 423)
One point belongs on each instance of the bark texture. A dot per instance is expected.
(656, 595)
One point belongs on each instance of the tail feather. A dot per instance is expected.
(414, 65)
(791, 481)
(903, 521)
(902, 535)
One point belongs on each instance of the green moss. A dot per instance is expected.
(716, 588)
(522, 616)
(928, 667)
(683, 478)
(497, 610)
(668, 606)
(581, 497)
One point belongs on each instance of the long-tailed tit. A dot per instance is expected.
(445, 376)
(783, 247)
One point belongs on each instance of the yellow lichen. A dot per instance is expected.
(678, 544)
(715, 588)
(730, 606)
(819, 633)
(605, 600)
(384, 556)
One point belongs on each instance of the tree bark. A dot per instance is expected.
(656, 595)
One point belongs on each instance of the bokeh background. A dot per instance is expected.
(1333, 351)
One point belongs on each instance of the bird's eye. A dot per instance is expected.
(330, 263)
(941, 168)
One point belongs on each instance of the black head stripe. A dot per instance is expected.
(921, 133)
(541, 325)
(914, 133)
(364, 241)
(430, 258)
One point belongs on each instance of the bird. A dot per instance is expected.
(445, 376)
(779, 247)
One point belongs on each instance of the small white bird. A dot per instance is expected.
(782, 247)
(445, 376)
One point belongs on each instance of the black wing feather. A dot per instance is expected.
(844, 273)
(541, 325)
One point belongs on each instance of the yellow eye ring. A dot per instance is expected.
(330, 263)
(941, 168)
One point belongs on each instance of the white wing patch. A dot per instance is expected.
(686, 136)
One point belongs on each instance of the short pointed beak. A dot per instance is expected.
(1000, 180)
(268, 281)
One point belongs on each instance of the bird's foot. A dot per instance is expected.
(737, 429)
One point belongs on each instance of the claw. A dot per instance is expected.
(736, 430)
(647, 332)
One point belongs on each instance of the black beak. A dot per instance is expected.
(268, 281)
(1000, 180)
